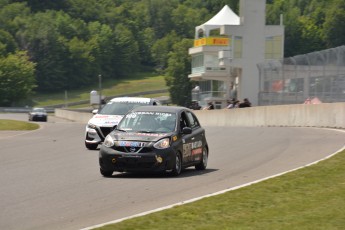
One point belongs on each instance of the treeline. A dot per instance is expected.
(310, 25)
(55, 45)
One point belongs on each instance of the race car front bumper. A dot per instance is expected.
(156, 160)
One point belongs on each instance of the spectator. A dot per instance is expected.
(233, 103)
(210, 106)
(245, 103)
(195, 105)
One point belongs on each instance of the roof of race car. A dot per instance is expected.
(163, 108)
(131, 99)
(35, 109)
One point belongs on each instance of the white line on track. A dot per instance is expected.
(215, 193)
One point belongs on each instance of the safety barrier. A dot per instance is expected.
(330, 115)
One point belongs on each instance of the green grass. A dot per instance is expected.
(138, 83)
(310, 198)
(16, 125)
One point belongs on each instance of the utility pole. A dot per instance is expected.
(100, 92)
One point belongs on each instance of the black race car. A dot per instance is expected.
(157, 139)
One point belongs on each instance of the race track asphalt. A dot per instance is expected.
(49, 180)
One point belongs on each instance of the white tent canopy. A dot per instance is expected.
(224, 17)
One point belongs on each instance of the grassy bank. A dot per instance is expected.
(137, 83)
(16, 125)
(310, 198)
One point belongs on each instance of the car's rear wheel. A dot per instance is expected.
(178, 165)
(91, 146)
(106, 173)
(203, 164)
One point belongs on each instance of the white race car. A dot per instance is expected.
(102, 123)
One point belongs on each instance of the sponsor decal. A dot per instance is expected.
(131, 115)
(144, 134)
(111, 122)
(101, 116)
(196, 144)
(151, 134)
(163, 114)
(130, 156)
(134, 114)
(187, 150)
(192, 149)
(131, 144)
(109, 118)
(197, 151)
(212, 41)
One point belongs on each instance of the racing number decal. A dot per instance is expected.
(192, 151)
(187, 151)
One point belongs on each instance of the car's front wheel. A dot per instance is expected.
(106, 173)
(91, 146)
(178, 165)
(203, 163)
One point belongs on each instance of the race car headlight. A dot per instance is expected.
(108, 141)
(91, 126)
(162, 144)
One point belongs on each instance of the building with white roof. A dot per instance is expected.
(227, 49)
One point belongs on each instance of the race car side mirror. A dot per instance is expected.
(186, 130)
(95, 111)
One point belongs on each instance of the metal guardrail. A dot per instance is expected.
(21, 109)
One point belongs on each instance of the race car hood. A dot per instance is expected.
(147, 137)
(105, 120)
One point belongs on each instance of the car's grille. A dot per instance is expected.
(105, 131)
(88, 137)
(132, 149)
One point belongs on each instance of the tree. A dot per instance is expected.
(311, 34)
(103, 49)
(161, 49)
(179, 63)
(39, 5)
(185, 19)
(17, 78)
(160, 16)
(81, 68)
(90, 10)
(7, 43)
(12, 15)
(126, 54)
(334, 26)
(40, 37)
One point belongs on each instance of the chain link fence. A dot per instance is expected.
(295, 80)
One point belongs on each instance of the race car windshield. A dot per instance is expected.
(149, 122)
(39, 110)
(119, 108)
